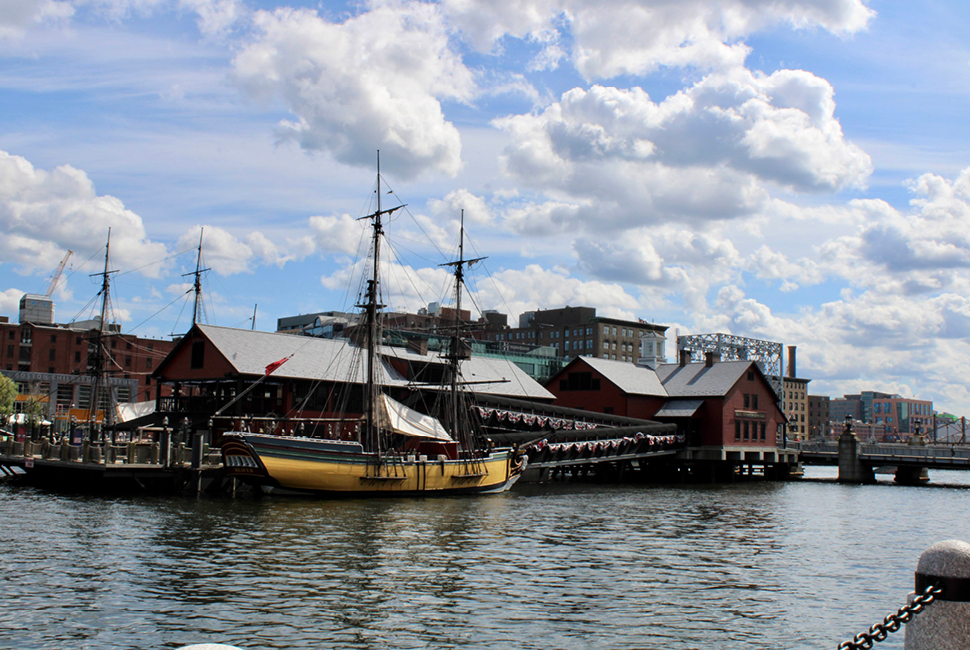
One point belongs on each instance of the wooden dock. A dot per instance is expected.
(132, 467)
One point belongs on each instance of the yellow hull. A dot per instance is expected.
(299, 465)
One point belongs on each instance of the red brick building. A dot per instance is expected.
(52, 364)
(716, 404)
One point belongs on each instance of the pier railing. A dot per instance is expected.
(149, 447)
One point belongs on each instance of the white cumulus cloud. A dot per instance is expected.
(43, 214)
(709, 152)
(374, 81)
(614, 37)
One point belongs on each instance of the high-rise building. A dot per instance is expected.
(578, 331)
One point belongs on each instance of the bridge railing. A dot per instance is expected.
(817, 447)
(913, 451)
(891, 450)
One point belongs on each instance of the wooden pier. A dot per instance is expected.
(138, 466)
(626, 454)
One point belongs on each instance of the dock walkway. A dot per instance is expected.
(134, 466)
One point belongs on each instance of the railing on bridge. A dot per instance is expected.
(887, 453)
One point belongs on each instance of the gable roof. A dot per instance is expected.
(484, 374)
(701, 380)
(250, 351)
(679, 408)
(628, 377)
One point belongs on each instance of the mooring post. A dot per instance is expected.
(945, 623)
(165, 444)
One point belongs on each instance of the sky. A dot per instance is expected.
(794, 170)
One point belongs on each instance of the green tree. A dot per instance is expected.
(8, 392)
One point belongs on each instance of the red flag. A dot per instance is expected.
(276, 364)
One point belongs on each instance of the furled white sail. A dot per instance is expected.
(398, 418)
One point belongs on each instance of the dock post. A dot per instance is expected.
(945, 623)
(165, 446)
(851, 470)
(197, 449)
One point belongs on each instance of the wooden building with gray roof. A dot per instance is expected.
(727, 405)
(295, 379)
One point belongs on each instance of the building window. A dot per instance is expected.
(52, 355)
(751, 377)
(747, 401)
(754, 402)
(763, 431)
(198, 355)
(53, 338)
(747, 430)
(737, 430)
(579, 381)
(77, 357)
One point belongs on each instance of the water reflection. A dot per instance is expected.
(802, 565)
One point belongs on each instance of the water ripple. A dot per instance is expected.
(735, 567)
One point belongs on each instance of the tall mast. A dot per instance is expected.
(198, 280)
(98, 367)
(197, 305)
(456, 351)
(371, 439)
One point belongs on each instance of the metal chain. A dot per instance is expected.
(879, 631)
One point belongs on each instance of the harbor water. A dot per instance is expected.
(756, 565)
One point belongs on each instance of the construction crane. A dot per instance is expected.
(57, 274)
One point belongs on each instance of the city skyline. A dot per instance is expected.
(794, 171)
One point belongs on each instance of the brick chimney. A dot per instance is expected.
(710, 358)
(792, 373)
(684, 357)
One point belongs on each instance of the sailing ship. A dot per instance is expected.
(396, 450)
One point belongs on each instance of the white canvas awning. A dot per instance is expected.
(127, 411)
(398, 418)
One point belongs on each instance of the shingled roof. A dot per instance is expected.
(628, 377)
(249, 352)
(701, 380)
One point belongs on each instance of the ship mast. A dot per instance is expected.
(98, 369)
(371, 435)
(197, 287)
(457, 352)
